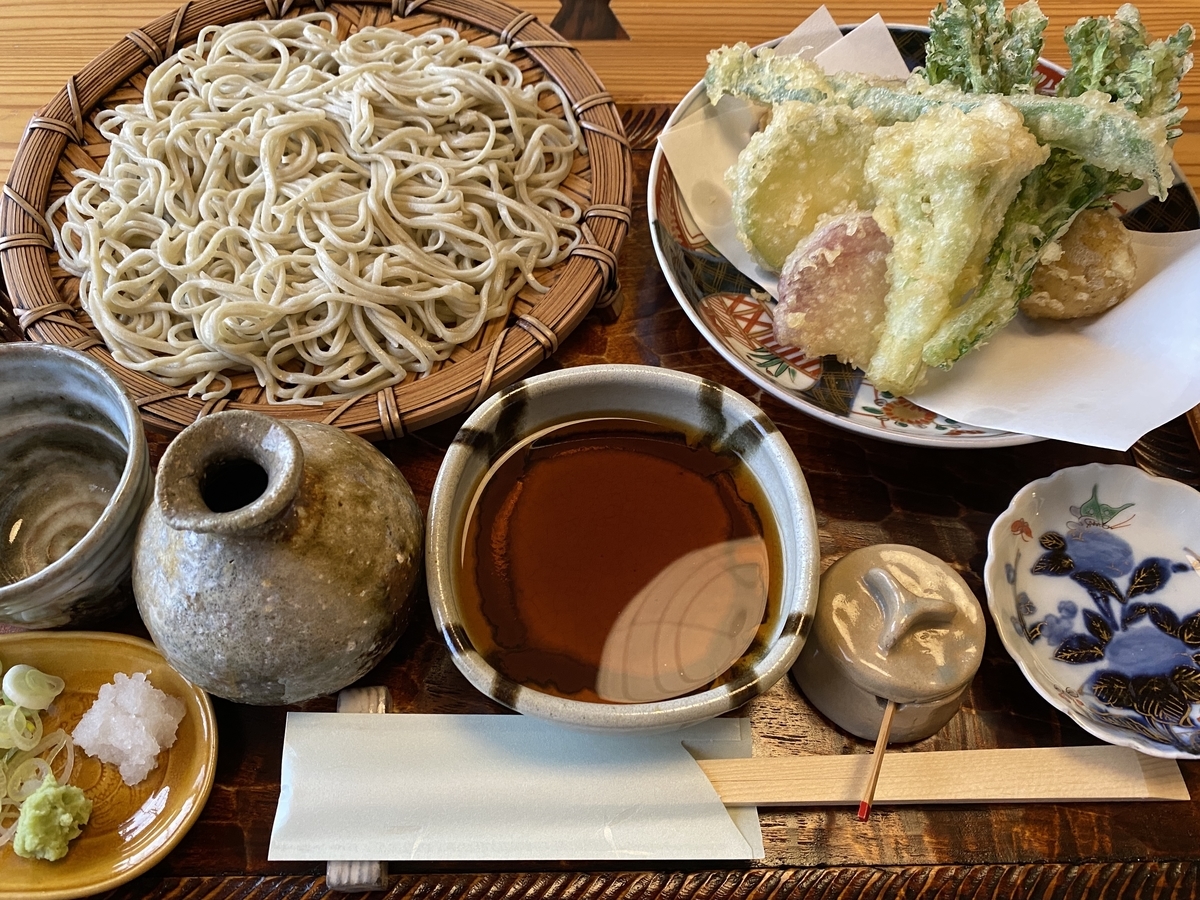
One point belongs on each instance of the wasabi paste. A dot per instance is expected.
(50, 817)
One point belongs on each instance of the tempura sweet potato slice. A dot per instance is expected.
(832, 290)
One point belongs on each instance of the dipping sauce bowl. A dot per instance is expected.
(621, 547)
(74, 480)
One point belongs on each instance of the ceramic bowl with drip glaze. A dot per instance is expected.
(1093, 580)
(706, 413)
(74, 480)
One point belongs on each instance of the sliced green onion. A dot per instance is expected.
(29, 687)
(19, 727)
(27, 778)
(10, 811)
(27, 756)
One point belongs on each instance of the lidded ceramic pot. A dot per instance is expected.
(892, 623)
(277, 559)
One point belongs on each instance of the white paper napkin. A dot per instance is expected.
(700, 150)
(1103, 382)
(430, 787)
(812, 35)
(868, 50)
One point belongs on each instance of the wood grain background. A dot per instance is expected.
(42, 43)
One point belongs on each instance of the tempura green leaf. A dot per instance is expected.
(1050, 198)
(977, 48)
(1116, 56)
(1100, 131)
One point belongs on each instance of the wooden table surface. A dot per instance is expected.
(866, 491)
(657, 54)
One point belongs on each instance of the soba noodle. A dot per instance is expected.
(331, 215)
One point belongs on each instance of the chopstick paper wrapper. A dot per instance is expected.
(413, 787)
(1104, 381)
(500, 787)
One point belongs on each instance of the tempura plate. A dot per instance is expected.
(723, 305)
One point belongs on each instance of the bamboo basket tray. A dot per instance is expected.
(63, 138)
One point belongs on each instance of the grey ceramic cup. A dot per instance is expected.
(74, 479)
(694, 403)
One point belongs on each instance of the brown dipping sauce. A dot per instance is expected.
(613, 560)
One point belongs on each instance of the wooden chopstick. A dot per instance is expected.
(881, 742)
(1031, 775)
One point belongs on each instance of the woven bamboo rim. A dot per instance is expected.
(61, 138)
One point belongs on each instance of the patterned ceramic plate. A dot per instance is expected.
(131, 828)
(1093, 581)
(721, 302)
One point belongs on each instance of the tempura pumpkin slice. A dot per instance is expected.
(807, 163)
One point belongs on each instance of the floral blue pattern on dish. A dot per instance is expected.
(1147, 678)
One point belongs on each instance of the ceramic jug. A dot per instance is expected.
(277, 558)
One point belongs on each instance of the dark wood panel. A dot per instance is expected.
(1161, 881)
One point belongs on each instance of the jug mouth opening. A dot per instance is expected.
(230, 472)
(232, 483)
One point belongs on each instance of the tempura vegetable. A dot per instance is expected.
(967, 230)
(1049, 199)
(1090, 270)
(807, 163)
(943, 184)
(1116, 56)
(1111, 55)
(833, 290)
(1099, 130)
(980, 49)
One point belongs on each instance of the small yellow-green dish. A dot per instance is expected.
(130, 828)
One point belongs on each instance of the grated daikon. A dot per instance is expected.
(130, 722)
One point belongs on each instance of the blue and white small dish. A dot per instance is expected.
(1093, 580)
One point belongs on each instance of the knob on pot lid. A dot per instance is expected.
(899, 623)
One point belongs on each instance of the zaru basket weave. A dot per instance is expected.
(63, 138)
